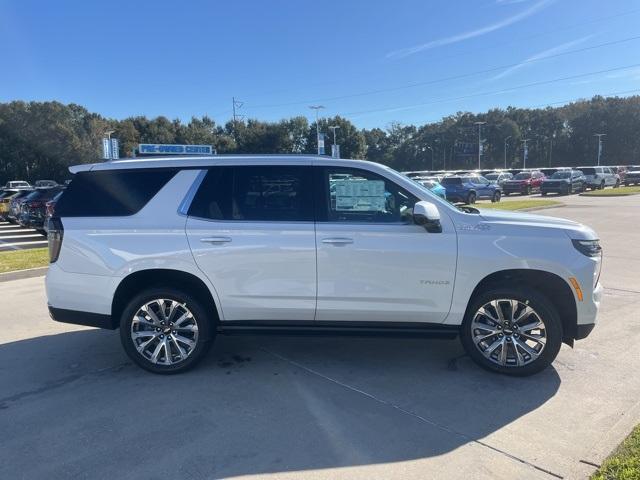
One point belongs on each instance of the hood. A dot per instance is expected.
(572, 229)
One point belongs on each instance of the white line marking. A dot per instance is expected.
(2, 239)
(22, 243)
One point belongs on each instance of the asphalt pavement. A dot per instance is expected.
(73, 406)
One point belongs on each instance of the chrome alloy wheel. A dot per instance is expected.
(164, 331)
(508, 332)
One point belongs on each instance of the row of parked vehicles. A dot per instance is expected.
(29, 205)
(466, 186)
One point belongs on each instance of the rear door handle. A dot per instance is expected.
(216, 240)
(338, 241)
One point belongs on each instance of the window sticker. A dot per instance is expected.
(360, 195)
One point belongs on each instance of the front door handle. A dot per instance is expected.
(216, 240)
(338, 241)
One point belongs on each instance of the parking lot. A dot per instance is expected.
(15, 237)
(73, 406)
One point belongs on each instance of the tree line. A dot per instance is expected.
(40, 140)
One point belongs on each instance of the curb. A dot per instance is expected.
(20, 274)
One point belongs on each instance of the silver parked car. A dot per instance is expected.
(600, 177)
(498, 178)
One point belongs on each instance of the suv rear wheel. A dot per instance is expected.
(512, 331)
(164, 330)
(496, 197)
(471, 198)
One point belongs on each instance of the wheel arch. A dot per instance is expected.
(552, 286)
(140, 280)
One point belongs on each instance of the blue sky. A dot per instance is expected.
(373, 62)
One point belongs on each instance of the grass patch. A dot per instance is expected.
(23, 259)
(517, 204)
(612, 192)
(624, 462)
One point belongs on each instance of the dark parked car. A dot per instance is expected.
(33, 208)
(564, 182)
(14, 205)
(50, 207)
(632, 177)
(469, 188)
(524, 183)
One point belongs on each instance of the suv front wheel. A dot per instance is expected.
(512, 331)
(164, 330)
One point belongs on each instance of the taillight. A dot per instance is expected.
(55, 234)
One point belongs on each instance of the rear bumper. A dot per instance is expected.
(82, 318)
(514, 188)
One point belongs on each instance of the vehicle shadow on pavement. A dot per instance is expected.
(73, 405)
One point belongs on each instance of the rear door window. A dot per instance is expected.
(272, 193)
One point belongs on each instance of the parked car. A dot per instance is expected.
(564, 182)
(46, 183)
(632, 177)
(524, 183)
(206, 247)
(17, 184)
(432, 184)
(621, 171)
(469, 188)
(600, 177)
(5, 200)
(32, 212)
(14, 205)
(498, 178)
(50, 208)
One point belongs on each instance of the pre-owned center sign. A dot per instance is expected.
(171, 149)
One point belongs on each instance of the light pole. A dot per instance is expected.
(479, 140)
(316, 108)
(505, 151)
(431, 156)
(333, 128)
(525, 153)
(599, 135)
(108, 133)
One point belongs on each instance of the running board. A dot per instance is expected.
(334, 329)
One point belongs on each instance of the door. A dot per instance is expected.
(483, 187)
(251, 232)
(374, 263)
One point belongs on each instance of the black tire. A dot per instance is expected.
(617, 185)
(544, 194)
(471, 198)
(496, 197)
(542, 306)
(204, 322)
(527, 191)
(506, 194)
(601, 185)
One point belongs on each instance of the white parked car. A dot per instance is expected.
(17, 184)
(600, 177)
(177, 251)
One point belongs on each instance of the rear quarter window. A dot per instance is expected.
(111, 193)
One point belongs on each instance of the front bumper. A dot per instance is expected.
(560, 188)
(514, 188)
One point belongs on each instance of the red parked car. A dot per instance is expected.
(524, 183)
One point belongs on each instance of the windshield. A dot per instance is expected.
(492, 176)
(589, 171)
(522, 176)
(451, 181)
(565, 174)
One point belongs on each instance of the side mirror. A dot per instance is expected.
(427, 215)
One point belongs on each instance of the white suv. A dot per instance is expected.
(177, 251)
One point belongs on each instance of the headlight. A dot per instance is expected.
(590, 248)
